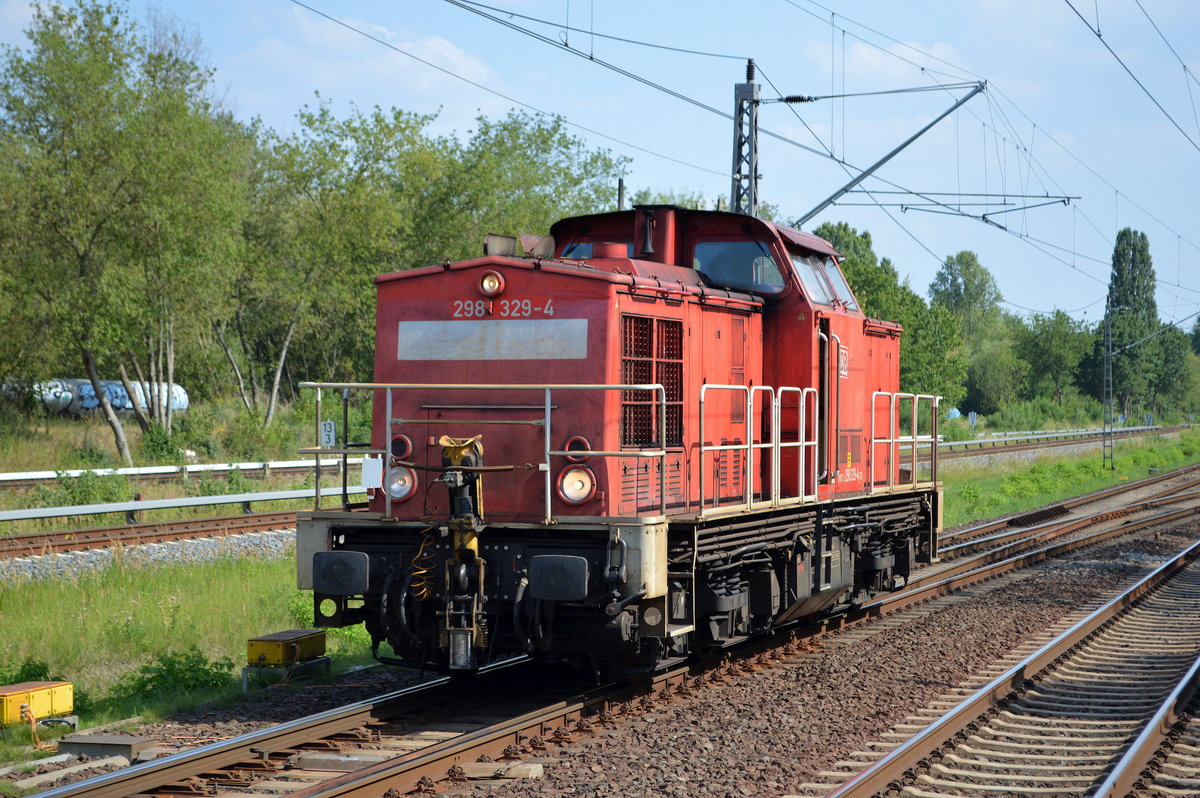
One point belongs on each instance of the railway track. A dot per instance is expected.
(29, 544)
(442, 731)
(431, 737)
(1084, 714)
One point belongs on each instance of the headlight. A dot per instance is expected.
(400, 483)
(576, 484)
(491, 284)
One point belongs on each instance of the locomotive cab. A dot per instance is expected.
(666, 432)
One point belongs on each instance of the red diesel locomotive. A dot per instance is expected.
(658, 432)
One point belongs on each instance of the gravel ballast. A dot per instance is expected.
(273, 544)
(769, 732)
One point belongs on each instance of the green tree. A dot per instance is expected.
(968, 290)
(326, 218)
(1169, 385)
(1053, 345)
(683, 199)
(930, 361)
(1133, 315)
(518, 174)
(995, 376)
(187, 242)
(1195, 337)
(101, 140)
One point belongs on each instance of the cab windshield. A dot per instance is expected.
(742, 265)
(840, 287)
(812, 277)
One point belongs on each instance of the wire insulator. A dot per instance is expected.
(750, 70)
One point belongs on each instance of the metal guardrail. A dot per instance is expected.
(999, 439)
(244, 499)
(180, 470)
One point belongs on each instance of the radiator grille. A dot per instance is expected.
(652, 352)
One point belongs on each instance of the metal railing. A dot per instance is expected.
(545, 422)
(895, 439)
(1000, 439)
(806, 465)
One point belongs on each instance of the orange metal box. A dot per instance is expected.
(285, 648)
(45, 700)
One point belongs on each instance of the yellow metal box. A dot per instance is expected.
(286, 648)
(44, 699)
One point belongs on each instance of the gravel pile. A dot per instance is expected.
(260, 545)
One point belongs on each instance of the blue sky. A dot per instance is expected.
(1061, 115)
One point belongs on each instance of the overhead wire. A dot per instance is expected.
(997, 109)
(1135, 78)
(993, 90)
(468, 5)
(609, 37)
(500, 94)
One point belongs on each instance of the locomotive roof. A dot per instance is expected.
(623, 226)
(716, 219)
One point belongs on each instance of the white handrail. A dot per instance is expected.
(547, 391)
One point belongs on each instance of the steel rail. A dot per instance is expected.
(1128, 770)
(404, 774)
(1014, 538)
(966, 572)
(155, 773)
(901, 760)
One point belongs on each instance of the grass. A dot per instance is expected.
(150, 641)
(975, 493)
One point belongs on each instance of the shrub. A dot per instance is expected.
(244, 439)
(172, 673)
(194, 430)
(92, 456)
(31, 670)
(158, 445)
(87, 488)
(955, 429)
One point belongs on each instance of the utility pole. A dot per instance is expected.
(1106, 444)
(743, 192)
